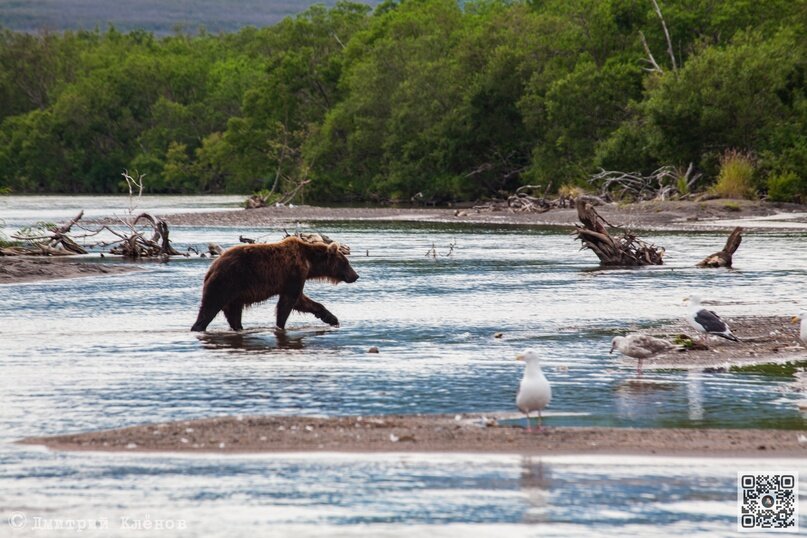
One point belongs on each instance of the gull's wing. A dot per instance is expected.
(651, 344)
(711, 321)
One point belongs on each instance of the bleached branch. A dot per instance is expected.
(650, 58)
(666, 35)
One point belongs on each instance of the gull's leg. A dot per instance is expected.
(639, 368)
(529, 426)
(540, 422)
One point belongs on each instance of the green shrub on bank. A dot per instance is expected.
(786, 169)
(736, 178)
(787, 187)
(6, 242)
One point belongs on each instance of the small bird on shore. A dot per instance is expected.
(707, 322)
(534, 393)
(640, 346)
(802, 315)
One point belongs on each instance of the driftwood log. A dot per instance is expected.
(724, 257)
(626, 250)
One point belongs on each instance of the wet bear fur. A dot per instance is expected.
(249, 274)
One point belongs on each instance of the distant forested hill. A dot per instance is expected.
(444, 99)
(158, 16)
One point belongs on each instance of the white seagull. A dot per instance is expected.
(534, 393)
(707, 321)
(640, 346)
(802, 315)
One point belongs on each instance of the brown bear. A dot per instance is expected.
(249, 274)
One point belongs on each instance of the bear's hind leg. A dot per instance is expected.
(233, 314)
(306, 304)
(206, 315)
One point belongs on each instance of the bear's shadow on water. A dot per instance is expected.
(266, 339)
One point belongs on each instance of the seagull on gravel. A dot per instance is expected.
(534, 393)
(707, 322)
(802, 315)
(641, 346)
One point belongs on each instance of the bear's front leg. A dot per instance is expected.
(305, 304)
(284, 306)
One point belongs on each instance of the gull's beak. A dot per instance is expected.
(794, 319)
(686, 299)
(520, 357)
(612, 349)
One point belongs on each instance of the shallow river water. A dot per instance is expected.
(113, 351)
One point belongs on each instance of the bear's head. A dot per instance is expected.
(332, 265)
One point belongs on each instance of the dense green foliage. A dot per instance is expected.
(455, 101)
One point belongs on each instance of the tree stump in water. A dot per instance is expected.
(627, 250)
(723, 258)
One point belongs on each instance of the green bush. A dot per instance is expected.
(787, 187)
(736, 178)
(5, 241)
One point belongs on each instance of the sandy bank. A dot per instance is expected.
(16, 269)
(763, 340)
(423, 433)
(669, 215)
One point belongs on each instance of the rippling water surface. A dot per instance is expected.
(106, 352)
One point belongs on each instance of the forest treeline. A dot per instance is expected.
(454, 101)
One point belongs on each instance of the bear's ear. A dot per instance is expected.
(333, 248)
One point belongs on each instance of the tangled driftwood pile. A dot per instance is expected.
(270, 199)
(49, 240)
(307, 237)
(661, 184)
(135, 244)
(524, 202)
(146, 236)
(626, 250)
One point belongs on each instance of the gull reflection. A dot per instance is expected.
(535, 483)
(695, 395)
(641, 398)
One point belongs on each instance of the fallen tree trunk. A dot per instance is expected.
(627, 250)
(724, 257)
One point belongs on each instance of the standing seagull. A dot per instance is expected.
(640, 346)
(802, 315)
(534, 393)
(706, 321)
